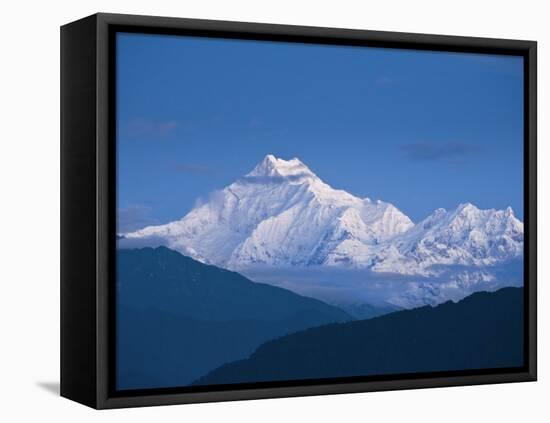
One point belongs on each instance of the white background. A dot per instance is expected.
(29, 178)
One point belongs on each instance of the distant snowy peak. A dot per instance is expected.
(465, 236)
(282, 214)
(467, 218)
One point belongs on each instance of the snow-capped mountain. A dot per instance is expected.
(465, 236)
(282, 214)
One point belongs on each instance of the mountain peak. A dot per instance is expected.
(282, 214)
(272, 166)
(466, 207)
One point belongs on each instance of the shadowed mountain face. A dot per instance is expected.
(362, 311)
(485, 330)
(164, 279)
(177, 318)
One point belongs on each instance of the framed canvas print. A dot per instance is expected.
(255, 211)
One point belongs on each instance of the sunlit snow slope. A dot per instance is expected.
(282, 214)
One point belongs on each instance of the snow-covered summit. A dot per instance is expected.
(273, 166)
(466, 236)
(282, 214)
(276, 171)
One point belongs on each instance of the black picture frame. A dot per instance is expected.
(88, 198)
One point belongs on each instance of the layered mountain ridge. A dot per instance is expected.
(282, 214)
(482, 331)
(178, 318)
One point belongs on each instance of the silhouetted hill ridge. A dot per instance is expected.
(169, 281)
(178, 318)
(484, 330)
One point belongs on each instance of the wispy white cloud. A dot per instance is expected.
(435, 151)
(383, 81)
(134, 217)
(193, 169)
(149, 128)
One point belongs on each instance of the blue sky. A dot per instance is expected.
(421, 130)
